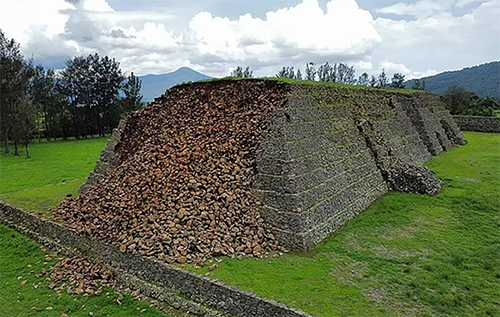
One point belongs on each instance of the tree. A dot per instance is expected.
(298, 75)
(15, 76)
(346, 74)
(382, 80)
(310, 71)
(248, 73)
(457, 99)
(91, 85)
(238, 72)
(286, 72)
(326, 73)
(364, 79)
(373, 81)
(462, 102)
(132, 91)
(418, 84)
(44, 96)
(397, 81)
(25, 124)
(424, 84)
(491, 103)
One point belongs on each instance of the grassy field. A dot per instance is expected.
(37, 184)
(56, 169)
(408, 255)
(34, 297)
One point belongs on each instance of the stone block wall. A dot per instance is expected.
(325, 156)
(478, 124)
(331, 151)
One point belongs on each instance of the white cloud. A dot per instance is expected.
(441, 40)
(390, 68)
(423, 8)
(157, 42)
(288, 36)
(20, 17)
(304, 29)
(363, 66)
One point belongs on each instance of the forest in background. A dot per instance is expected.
(483, 80)
(86, 98)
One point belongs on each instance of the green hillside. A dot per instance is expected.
(484, 80)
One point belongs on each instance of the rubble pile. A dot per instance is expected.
(181, 191)
(79, 276)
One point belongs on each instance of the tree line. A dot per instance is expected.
(459, 101)
(336, 73)
(87, 98)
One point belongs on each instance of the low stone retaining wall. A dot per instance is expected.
(478, 124)
(178, 288)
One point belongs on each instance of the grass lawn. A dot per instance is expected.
(408, 255)
(54, 170)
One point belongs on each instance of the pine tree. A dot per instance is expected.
(132, 91)
(92, 86)
(298, 75)
(364, 79)
(310, 71)
(15, 74)
(397, 81)
(382, 81)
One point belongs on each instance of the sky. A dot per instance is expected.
(414, 37)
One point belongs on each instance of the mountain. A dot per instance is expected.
(155, 85)
(484, 80)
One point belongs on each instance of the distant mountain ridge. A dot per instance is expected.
(154, 86)
(484, 80)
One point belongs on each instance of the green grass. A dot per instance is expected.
(17, 300)
(307, 82)
(51, 163)
(55, 170)
(408, 255)
(42, 199)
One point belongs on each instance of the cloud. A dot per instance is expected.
(463, 3)
(301, 30)
(422, 8)
(441, 40)
(391, 68)
(425, 36)
(363, 66)
(144, 42)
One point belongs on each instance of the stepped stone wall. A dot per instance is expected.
(331, 151)
(478, 124)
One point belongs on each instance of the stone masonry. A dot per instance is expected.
(478, 124)
(331, 151)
